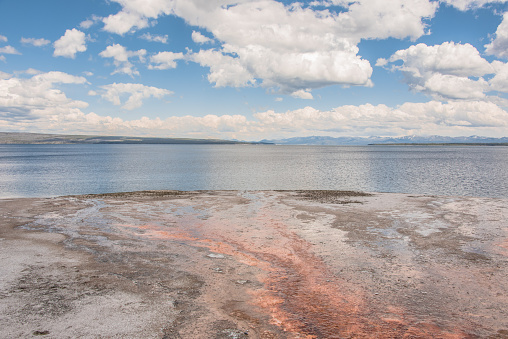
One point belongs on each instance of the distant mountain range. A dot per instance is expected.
(37, 138)
(412, 139)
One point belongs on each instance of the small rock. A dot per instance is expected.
(40, 332)
(216, 256)
(242, 282)
(235, 334)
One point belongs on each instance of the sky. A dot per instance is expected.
(254, 69)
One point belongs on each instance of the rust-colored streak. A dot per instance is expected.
(154, 232)
(301, 294)
(504, 247)
(304, 297)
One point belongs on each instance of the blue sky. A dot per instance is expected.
(253, 69)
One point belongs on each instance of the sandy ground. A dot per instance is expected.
(261, 264)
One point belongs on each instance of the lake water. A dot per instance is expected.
(52, 170)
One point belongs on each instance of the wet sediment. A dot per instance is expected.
(302, 264)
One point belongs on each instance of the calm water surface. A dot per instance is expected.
(51, 170)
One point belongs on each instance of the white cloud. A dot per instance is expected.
(286, 47)
(36, 98)
(230, 20)
(32, 71)
(165, 60)
(199, 38)
(4, 76)
(36, 42)
(500, 81)
(155, 38)
(453, 118)
(121, 54)
(135, 92)
(294, 48)
(135, 15)
(447, 58)
(86, 24)
(302, 94)
(499, 46)
(461, 115)
(450, 86)
(465, 5)
(444, 71)
(51, 78)
(49, 110)
(72, 42)
(121, 58)
(3, 38)
(89, 22)
(289, 71)
(123, 22)
(8, 50)
(224, 69)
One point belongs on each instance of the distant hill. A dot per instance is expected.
(36, 138)
(406, 140)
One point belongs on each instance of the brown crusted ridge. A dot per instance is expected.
(137, 194)
(332, 196)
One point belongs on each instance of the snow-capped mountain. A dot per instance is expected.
(410, 139)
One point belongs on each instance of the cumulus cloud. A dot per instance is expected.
(37, 104)
(3, 38)
(199, 38)
(224, 69)
(288, 71)
(4, 75)
(36, 98)
(447, 58)
(164, 60)
(429, 118)
(72, 42)
(32, 71)
(135, 15)
(500, 81)
(465, 5)
(86, 24)
(499, 45)
(90, 22)
(36, 42)
(8, 50)
(135, 93)
(286, 47)
(294, 48)
(449, 86)
(302, 94)
(155, 38)
(121, 57)
(444, 71)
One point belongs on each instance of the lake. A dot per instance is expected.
(52, 170)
